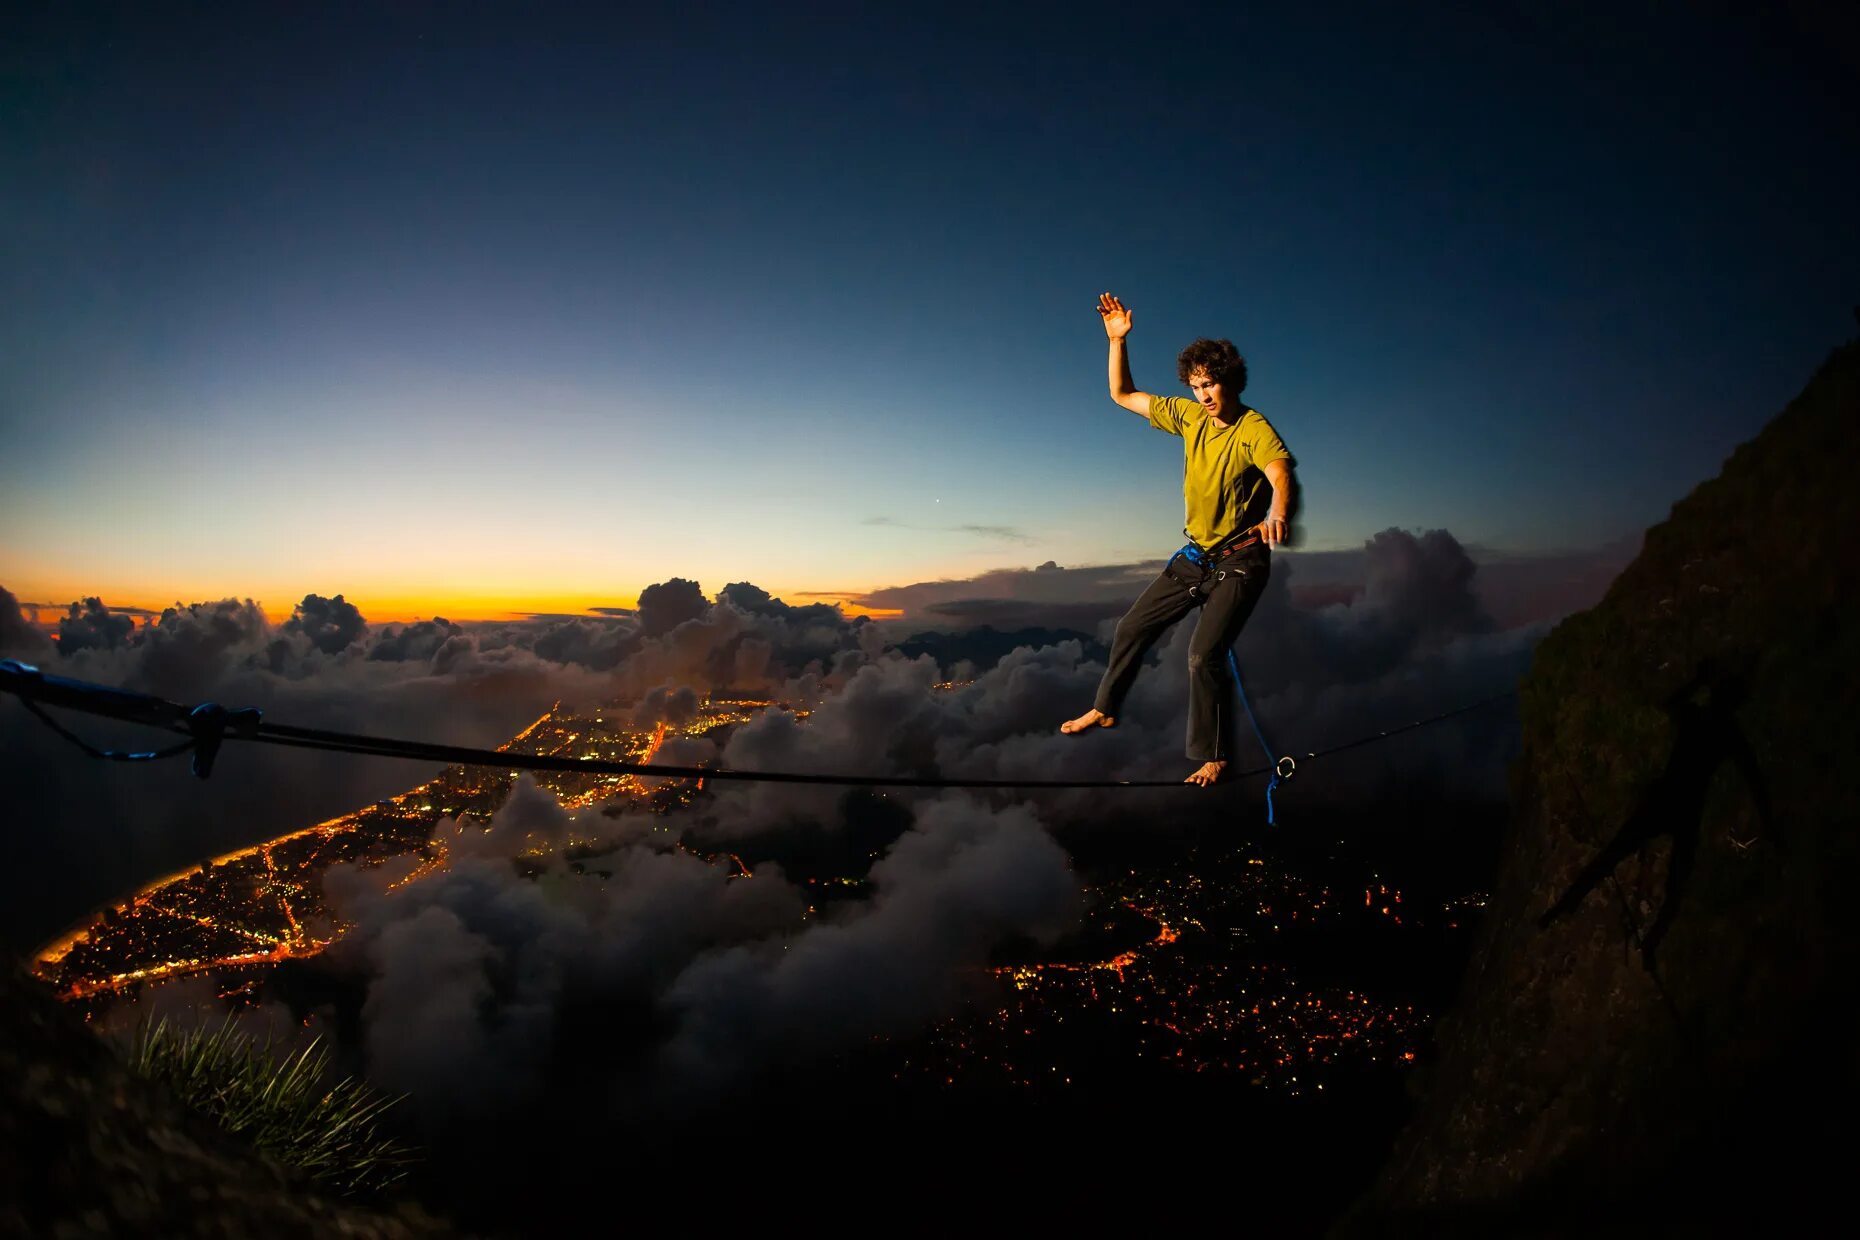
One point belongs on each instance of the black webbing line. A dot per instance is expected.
(1408, 727)
(208, 724)
(311, 738)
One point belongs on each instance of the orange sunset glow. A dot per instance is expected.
(50, 602)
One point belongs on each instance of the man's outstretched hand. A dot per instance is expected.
(1116, 318)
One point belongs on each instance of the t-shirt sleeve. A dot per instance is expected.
(1174, 414)
(1262, 442)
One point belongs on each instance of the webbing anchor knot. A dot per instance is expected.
(209, 722)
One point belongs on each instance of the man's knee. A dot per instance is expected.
(1204, 663)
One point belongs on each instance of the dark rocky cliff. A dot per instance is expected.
(1656, 1031)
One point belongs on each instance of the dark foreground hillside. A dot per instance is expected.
(87, 1148)
(1655, 1033)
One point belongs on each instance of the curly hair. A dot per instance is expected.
(1219, 358)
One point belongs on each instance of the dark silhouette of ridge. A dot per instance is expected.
(1565, 1095)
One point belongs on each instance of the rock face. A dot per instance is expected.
(88, 1148)
(1657, 1025)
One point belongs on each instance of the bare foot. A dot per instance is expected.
(1090, 719)
(1210, 773)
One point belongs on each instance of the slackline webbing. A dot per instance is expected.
(208, 724)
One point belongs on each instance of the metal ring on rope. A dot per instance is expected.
(1285, 767)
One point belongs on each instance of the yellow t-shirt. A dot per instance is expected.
(1223, 487)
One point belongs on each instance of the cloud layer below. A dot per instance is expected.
(472, 972)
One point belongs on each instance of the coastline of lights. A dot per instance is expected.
(269, 895)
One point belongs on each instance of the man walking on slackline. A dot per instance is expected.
(1237, 492)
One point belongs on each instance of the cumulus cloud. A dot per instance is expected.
(596, 644)
(469, 970)
(1406, 631)
(1005, 613)
(188, 645)
(421, 640)
(1108, 589)
(331, 625)
(664, 606)
(666, 705)
(105, 828)
(1411, 640)
(19, 637)
(472, 972)
(101, 829)
(92, 626)
(1515, 589)
(963, 878)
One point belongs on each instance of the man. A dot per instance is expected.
(1237, 493)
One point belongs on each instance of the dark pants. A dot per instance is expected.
(1226, 595)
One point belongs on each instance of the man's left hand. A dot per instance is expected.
(1272, 530)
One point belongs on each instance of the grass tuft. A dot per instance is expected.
(277, 1100)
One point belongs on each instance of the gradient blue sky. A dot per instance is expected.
(473, 307)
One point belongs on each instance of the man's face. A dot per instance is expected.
(1210, 392)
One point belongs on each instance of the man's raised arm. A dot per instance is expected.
(1117, 326)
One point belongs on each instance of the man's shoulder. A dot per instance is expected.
(1256, 422)
(1262, 439)
(1174, 414)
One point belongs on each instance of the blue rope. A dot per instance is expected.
(1241, 690)
(114, 755)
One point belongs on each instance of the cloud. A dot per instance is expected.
(756, 601)
(1001, 533)
(1520, 590)
(1412, 640)
(473, 975)
(1004, 613)
(1407, 630)
(421, 640)
(92, 626)
(101, 829)
(1514, 589)
(469, 971)
(1110, 587)
(963, 878)
(666, 705)
(19, 637)
(664, 606)
(599, 645)
(983, 646)
(331, 625)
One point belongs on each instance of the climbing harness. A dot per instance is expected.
(1208, 562)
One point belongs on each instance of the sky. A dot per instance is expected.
(470, 310)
